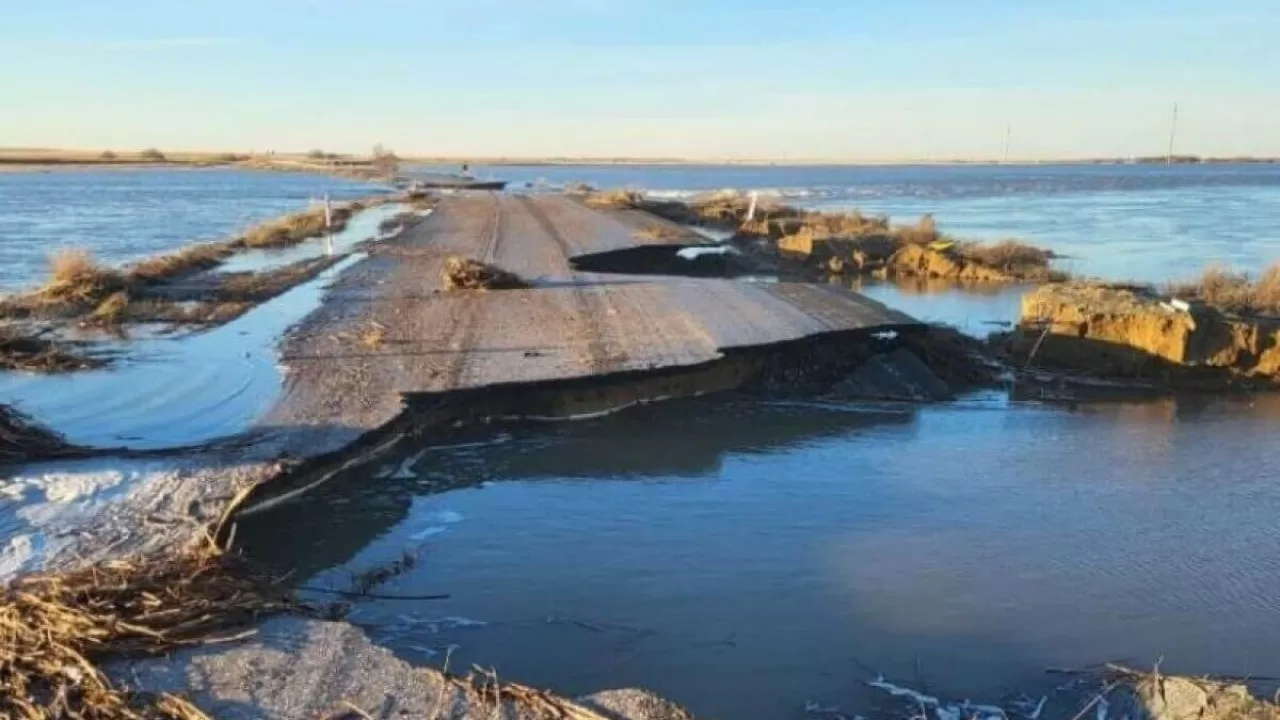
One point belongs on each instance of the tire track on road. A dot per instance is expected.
(590, 307)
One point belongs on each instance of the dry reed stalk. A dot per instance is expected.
(58, 628)
(461, 273)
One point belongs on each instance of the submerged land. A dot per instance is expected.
(481, 308)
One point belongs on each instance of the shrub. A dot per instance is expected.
(152, 155)
(1008, 255)
(75, 277)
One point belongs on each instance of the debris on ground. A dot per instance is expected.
(22, 439)
(57, 629)
(23, 349)
(462, 273)
(846, 243)
(1115, 692)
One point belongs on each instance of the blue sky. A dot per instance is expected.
(805, 79)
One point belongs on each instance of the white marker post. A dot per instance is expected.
(751, 209)
(328, 225)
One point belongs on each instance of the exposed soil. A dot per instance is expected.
(1129, 332)
(848, 243)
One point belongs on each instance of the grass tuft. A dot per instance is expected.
(616, 199)
(75, 277)
(112, 311)
(294, 228)
(462, 273)
(193, 258)
(372, 336)
(1234, 291)
(1011, 256)
(23, 350)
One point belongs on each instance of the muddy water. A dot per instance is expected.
(747, 558)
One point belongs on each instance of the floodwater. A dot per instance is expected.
(1142, 222)
(189, 388)
(123, 215)
(745, 558)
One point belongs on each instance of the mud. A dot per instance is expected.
(1128, 332)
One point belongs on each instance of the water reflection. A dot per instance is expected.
(747, 558)
(361, 505)
(976, 309)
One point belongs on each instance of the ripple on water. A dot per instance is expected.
(696, 547)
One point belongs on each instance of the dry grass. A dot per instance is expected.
(288, 230)
(462, 273)
(616, 199)
(1234, 291)
(259, 287)
(21, 440)
(201, 256)
(661, 233)
(372, 336)
(22, 350)
(112, 311)
(56, 630)
(296, 227)
(1009, 255)
(76, 278)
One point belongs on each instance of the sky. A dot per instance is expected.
(777, 79)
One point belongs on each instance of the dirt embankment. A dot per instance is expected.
(849, 243)
(1134, 332)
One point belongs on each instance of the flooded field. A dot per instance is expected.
(747, 558)
(1142, 222)
(191, 387)
(123, 215)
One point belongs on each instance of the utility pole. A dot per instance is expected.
(1008, 130)
(1173, 133)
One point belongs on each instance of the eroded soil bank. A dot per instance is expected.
(846, 243)
(1138, 333)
